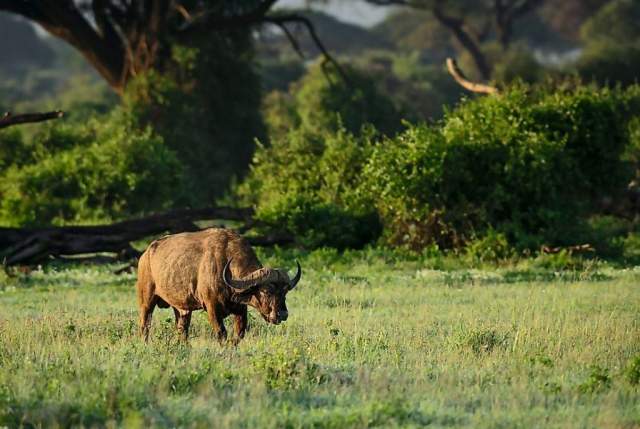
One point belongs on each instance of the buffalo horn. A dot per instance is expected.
(262, 275)
(296, 278)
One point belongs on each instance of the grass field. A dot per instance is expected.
(371, 341)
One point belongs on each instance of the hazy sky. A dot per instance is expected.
(357, 12)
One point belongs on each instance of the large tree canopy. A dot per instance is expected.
(124, 38)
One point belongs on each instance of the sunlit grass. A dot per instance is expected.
(372, 340)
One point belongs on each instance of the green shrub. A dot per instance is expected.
(616, 21)
(528, 164)
(597, 381)
(492, 248)
(317, 224)
(94, 172)
(12, 149)
(306, 184)
(632, 371)
(526, 168)
(631, 247)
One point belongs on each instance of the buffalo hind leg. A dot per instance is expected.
(183, 321)
(147, 298)
(146, 311)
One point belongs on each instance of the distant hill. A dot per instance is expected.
(339, 37)
(20, 47)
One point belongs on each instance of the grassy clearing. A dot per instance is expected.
(372, 340)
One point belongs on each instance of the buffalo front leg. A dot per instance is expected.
(240, 324)
(216, 320)
(183, 321)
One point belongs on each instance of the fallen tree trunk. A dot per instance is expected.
(31, 245)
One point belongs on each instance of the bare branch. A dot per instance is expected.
(292, 39)
(282, 20)
(459, 77)
(457, 27)
(214, 19)
(8, 120)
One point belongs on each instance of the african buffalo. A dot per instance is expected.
(215, 270)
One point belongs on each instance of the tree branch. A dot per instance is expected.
(459, 77)
(103, 51)
(282, 20)
(456, 25)
(8, 120)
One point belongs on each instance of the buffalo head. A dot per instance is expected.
(264, 289)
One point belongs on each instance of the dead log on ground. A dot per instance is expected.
(31, 245)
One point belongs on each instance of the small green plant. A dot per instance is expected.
(551, 388)
(543, 360)
(597, 381)
(285, 369)
(492, 248)
(632, 371)
(482, 341)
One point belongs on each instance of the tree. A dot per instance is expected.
(183, 67)
(122, 39)
(612, 44)
(567, 16)
(473, 22)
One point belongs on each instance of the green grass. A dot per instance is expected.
(372, 340)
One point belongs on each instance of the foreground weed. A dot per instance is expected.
(597, 381)
(632, 371)
(482, 340)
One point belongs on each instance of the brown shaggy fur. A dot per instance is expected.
(184, 271)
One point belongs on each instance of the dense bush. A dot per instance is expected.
(306, 184)
(79, 173)
(529, 164)
(305, 179)
(616, 21)
(527, 167)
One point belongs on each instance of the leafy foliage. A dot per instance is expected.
(525, 168)
(305, 183)
(612, 44)
(525, 163)
(322, 101)
(102, 170)
(206, 106)
(632, 371)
